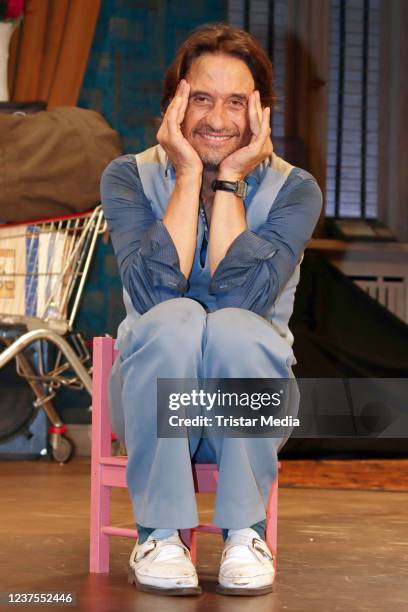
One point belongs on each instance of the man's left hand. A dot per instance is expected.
(236, 166)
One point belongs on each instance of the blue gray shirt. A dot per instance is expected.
(260, 270)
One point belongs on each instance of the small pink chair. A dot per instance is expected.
(108, 472)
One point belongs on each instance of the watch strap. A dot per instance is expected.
(238, 187)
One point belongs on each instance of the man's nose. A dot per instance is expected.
(216, 116)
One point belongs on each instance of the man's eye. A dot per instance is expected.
(200, 99)
(237, 103)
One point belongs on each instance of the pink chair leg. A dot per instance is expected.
(101, 447)
(189, 538)
(100, 516)
(193, 545)
(185, 535)
(272, 520)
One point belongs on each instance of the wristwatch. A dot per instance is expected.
(240, 188)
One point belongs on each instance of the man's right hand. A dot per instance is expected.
(185, 159)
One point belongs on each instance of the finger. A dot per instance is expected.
(174, 102)
(266, 120)
(177, 112)
(258, 105)
(168, 117)
(265, 128)
(172, 117)
(185, 92)
(264, 131)
(254, 120)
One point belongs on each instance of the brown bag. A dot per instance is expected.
(51, 162)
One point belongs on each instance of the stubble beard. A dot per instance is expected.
(211, 160)
(211, 165)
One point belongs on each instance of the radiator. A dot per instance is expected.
(390, 291)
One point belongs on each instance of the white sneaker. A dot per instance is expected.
(164, 567)
(246, 564)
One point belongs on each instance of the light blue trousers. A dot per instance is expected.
(179, 339)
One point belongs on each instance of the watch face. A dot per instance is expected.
(241, 189)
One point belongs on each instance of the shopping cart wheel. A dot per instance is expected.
(63, 449)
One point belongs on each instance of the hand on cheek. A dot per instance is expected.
(241, 162)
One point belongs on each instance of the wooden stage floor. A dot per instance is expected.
(339, 549)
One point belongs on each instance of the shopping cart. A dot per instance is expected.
(43, 270)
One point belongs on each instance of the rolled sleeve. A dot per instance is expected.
(161, 258)
(234, 269)
(147, 258)
(257, 265)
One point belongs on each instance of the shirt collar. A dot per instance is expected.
(252, 178)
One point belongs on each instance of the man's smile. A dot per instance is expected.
(214, 138)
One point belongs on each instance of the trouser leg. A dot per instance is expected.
(165, 342)
(241, 344)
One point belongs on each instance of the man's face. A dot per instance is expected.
(216, 121)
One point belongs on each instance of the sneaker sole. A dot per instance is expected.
(243, 592)
(147, 588)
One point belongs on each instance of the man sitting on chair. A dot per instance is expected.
(209, 228)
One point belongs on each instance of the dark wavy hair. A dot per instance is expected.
(221, 38)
